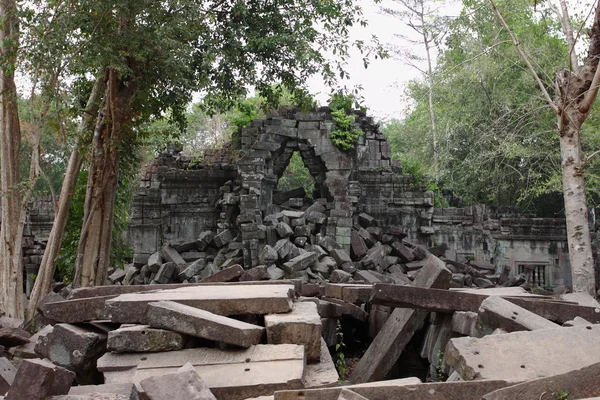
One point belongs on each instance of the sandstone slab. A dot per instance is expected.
(195, 322)
(525, 355)
(230, 374)
(221, 300)
(301, 326)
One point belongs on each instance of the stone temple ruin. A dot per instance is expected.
(365, 291)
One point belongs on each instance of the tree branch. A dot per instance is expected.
(568, 31)
(590, 96)
(525, 59)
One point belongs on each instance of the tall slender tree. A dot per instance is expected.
(11, 225)
(576, 92)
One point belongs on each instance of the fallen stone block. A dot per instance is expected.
(383, 353)
(465, 323)
(268, 255)
(405, 254)
(77, 310)
(171, 255)
(7, 375)
(496, 312)
(275, 273)
(39, 379)
(340, 256)
(28, 350)
(10, 337)
(187, 381)
(301, 326)
(73, 347)
(322, 373)
(258, 273)
(300, 263)
(223, 299)
(284, 230)
(449, 301)
(223, 238)
(203, 324)
(229, 274)
(165, 272)
(193, 269)
(577, 384)
(143, 338)
(358, 245)
(365, 220)
(525, 355)
(259, 370)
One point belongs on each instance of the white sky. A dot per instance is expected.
(383, 81)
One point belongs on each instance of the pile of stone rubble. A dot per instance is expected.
(244, 340)
(296, 249)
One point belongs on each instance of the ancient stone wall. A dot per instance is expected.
(175, 202)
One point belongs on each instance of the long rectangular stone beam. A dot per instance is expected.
(221, 300)
(116, 290)
(400, 327)
(472, 390)
(448, 301)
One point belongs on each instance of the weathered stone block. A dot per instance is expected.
(39, 379)
(300, 263)
(268, 255)
(193, 269)
(143, 338)
(73, 347)
(7, 375)
(301, 326)
(258, 273)
(187, 381)
(223, 238)
(340, 256)
(195, 322)
(169, 254)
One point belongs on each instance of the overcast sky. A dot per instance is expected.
(385, 80)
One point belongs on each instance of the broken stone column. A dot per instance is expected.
(301, 326)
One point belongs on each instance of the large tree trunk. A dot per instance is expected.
(96, 235)
(43, 282)
(577, 93)
(11, 225)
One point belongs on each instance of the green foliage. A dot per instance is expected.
(345, 133)
(296, 175)
(441, 376)
(340, 356)
(497, 138)
(564, 395)
(439, 201)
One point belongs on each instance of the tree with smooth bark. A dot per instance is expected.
(576, 91)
